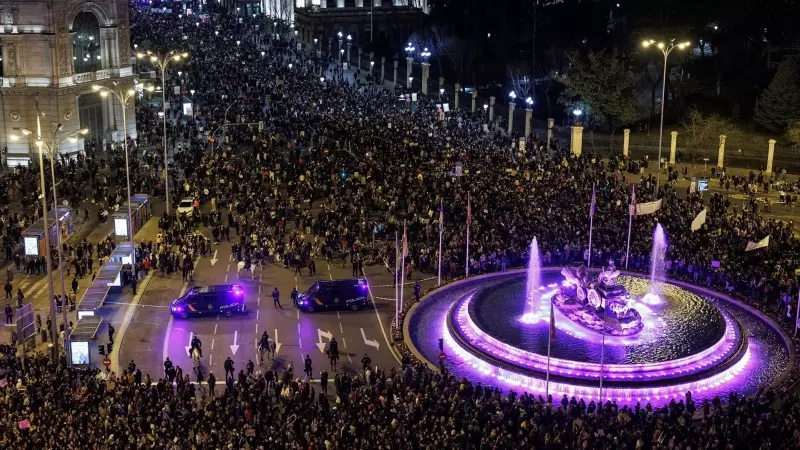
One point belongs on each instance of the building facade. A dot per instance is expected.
(365, 21)
(53, 52)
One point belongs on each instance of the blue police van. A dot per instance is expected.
(335, 294)
(226, 299)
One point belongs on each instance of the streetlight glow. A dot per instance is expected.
(512, 94)
(529, 101)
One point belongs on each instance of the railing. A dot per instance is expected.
(85, 77)
(103, 74)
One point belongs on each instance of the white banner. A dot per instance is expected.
(698, 221)
(764, 243)
(645, 208)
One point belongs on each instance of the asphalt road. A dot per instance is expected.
(155, 335)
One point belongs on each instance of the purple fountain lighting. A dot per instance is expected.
(657, 266)
(533, 287)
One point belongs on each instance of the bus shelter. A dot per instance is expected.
(140, 212)
(122, 254)
(33, 236)
(83, 340)
(93, 298)
(110, 275)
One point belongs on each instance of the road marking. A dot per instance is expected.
(188, 347)
(370, 342)
(300, 340)
(320, 334)
(258, 363)
(215, 328)
(256, 328)
(348, 357)
(214, 259)
(235, 346)
(259, 300)
(380, 322)
(226, 277)
(257, 311)
(278, 344)
(259, 288)
(341, 330)
(338, 316)
(298, 313)
(344, 342)
(165, 348)
(212, 344)
(228, 269)
(230, 258)
(298, 327)
(210, 359)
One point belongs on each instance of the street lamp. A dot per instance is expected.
(52, 151)
(124, 100)
(162, 63)
(529, 102)
(410, 80)
(512, 95)
(425, 54)
(577, 113)
(666, 49)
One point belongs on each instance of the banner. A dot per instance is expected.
(640, 209)
(764, 243)
(698, 221)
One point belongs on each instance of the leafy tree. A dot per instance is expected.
(778, 104)
(793, 133)
(604, 82)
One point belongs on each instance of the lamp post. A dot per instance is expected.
(426, 69)
(124, 99)
(577, 112)
(409, 60)
(52, 151)
(349, 45)
(340, 45)
(666, 49)
(512, 96)
(528, 115)
(162, 63)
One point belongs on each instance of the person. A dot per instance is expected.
(131, 367)
(8, 289)
(111, 331)
(167, 366)
(263, 345)
(307, 367)
(365, 362)
(323, 381)
(294, 296)
(196, 344)
(133, 285)
(229, 369)
(75, 284)
(417, 290)
(9, 314)
(276, 298)
(212, 381)
(250, 367)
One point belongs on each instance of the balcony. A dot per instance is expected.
(103, 74)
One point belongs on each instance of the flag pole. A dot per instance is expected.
(630, 223)
(797, 317)
(441, 229)
(396, 271)
(549, 340)
(469, 219)
(591, 225)
(602, 357)
(403, 264)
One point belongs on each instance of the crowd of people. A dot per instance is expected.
(337, 167)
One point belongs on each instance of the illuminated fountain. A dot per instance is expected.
(659, 340)
(658, 267)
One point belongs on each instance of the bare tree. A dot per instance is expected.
(521, 80)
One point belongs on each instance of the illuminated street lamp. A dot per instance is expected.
(666, 49)
(52, 150)
(162, 63)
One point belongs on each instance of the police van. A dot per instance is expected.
(335, 294)
(227, 299)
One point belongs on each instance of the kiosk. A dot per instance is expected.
(33, 236)
(140, 210)
(83, 341)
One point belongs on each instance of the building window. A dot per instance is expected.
(330, 3)
(86, 54)
(349, 3)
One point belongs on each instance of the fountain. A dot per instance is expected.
(657, 266)
(533, 286)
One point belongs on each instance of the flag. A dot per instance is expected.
(441, 215)
(552, 322)
(633, 200)
(642, 209)
(593, 205)
(405, 243)
(764, 243)
(698, 221)
(469, 212)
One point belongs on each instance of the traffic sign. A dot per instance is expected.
(106, 362)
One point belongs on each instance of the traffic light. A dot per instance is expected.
(441, 345)
(110, 347)
(101, 349)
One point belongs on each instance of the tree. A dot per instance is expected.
(604, 82)
(777, 106)
(701, 132)
(793, 133)
(521, 80)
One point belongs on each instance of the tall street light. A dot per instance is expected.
(162, 63)
(52, 150)
(666, 49)
(124, 98)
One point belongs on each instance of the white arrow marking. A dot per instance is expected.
(214, 259)
(277, 344)
(189, 347)
(320, 334)
(371, 343)
(235, 347)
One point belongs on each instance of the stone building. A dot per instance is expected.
(54, 51)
